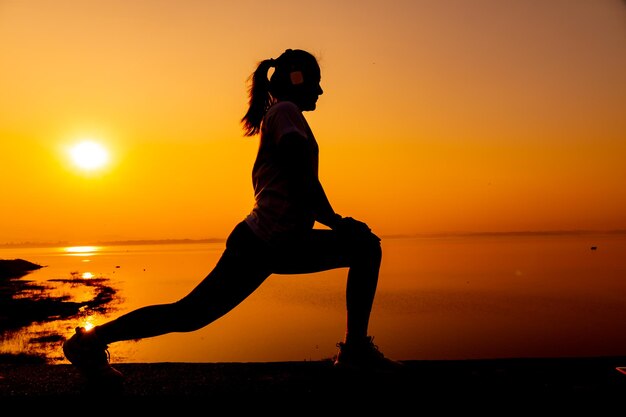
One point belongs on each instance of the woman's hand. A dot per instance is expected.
(351, 228)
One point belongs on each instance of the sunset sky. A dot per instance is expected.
(438, 116)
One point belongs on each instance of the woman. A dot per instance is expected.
(277, 236)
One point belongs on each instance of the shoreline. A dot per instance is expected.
(523, 380)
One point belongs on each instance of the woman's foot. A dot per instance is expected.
(364, 355)
(90, 356)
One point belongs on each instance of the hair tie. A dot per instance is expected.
(272, 62)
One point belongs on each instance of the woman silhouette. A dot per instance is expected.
(277, 236)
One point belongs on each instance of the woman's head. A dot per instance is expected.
(296, 78)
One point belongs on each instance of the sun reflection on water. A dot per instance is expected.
(81, 250)
(88, 324)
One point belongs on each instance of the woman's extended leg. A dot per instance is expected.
(241, 269)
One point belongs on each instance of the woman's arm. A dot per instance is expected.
(295, 155)
(323, 209)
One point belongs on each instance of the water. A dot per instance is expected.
(438, 298)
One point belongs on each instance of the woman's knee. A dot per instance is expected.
(368, 249)
(375, 250)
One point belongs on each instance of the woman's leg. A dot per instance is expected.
(360, 251)
(240, 270)
(322, 250)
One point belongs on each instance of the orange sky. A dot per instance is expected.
(438, 116)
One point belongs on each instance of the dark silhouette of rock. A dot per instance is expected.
(16, 268)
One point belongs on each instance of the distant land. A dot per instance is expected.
(110, 243)
(32, 244)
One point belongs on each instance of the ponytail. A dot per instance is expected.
(260, 98)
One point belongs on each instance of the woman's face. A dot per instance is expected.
(306, 89)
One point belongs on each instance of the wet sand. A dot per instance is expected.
(472, 383)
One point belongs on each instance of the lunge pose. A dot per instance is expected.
(276, 237)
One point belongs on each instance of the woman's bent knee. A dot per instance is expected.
(367, 249)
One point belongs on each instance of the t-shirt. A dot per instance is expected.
(276, 213)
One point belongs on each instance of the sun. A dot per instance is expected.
(89, 155)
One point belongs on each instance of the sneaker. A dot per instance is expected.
(90, 357)
(364, 356)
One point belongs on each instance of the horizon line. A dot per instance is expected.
(575, 232)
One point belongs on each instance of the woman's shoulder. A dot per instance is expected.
(284, 117)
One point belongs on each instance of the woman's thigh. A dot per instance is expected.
(240, 270)
(318, 250)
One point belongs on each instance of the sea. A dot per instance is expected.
(439, 297)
